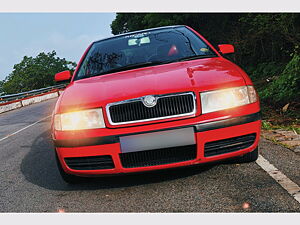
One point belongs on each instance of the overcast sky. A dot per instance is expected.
(69, 34)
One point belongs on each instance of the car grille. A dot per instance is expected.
(90, 163)
(168, 106)
(158, 156)
(228, 145)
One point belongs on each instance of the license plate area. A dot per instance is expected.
(158, 140)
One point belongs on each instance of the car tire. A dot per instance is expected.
(247, 158)
(68, 178)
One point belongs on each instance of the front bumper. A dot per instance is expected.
(230, 130)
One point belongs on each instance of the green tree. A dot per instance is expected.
(269, 37)
(1, 88)
(35, 72)
(126, 22)
(285, 88)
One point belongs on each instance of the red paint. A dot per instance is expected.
(208, 74)
(194, 75)
(226, 49)
(63, 76)
(202, 137)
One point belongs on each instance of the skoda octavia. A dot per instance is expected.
(154, 99)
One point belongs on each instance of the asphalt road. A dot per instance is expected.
(30, 181)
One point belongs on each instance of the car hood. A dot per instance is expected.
(196, 75)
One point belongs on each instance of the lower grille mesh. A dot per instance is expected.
(228, 145)
(90, 163)
(158, 157)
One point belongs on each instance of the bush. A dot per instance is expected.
(265, 70)
(285, 88)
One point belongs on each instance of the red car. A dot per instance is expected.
(154, 99)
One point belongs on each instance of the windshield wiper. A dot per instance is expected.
(195, 57)
(130, 66)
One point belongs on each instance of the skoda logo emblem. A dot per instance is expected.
(149, 101)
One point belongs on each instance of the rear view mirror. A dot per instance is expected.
(226, 49)
(63, 76)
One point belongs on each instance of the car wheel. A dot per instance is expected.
(249, 157)
(68, 178)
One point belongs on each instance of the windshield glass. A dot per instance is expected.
(142, 49)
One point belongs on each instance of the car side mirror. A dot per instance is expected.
(226, 48)
(63, 76)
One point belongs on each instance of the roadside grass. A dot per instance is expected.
(278, 142)
(277, 117)
(268, 126)
(274, 118)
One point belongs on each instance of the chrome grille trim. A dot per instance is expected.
(193, 112)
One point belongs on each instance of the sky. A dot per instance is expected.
(69, 34)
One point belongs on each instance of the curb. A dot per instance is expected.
(8, 106)
(286, 138)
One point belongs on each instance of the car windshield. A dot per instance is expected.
(140, 49)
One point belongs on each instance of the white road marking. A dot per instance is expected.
(24, 128)
(292, 188)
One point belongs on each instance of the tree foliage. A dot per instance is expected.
(286, 87)
(1, 88)
(35, 72)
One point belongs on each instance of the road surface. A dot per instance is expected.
(30, 181)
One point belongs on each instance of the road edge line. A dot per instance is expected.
(24, 128)
(291, 187)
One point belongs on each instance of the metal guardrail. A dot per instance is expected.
(12, 97)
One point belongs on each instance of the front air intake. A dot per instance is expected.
(90, 163)
(158, 156)
(228, 145)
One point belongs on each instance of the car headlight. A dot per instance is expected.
(212, 101)
(80, 120)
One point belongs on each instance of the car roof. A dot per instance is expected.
(138, 31)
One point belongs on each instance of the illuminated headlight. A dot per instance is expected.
(80, 120)
(212, 101)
